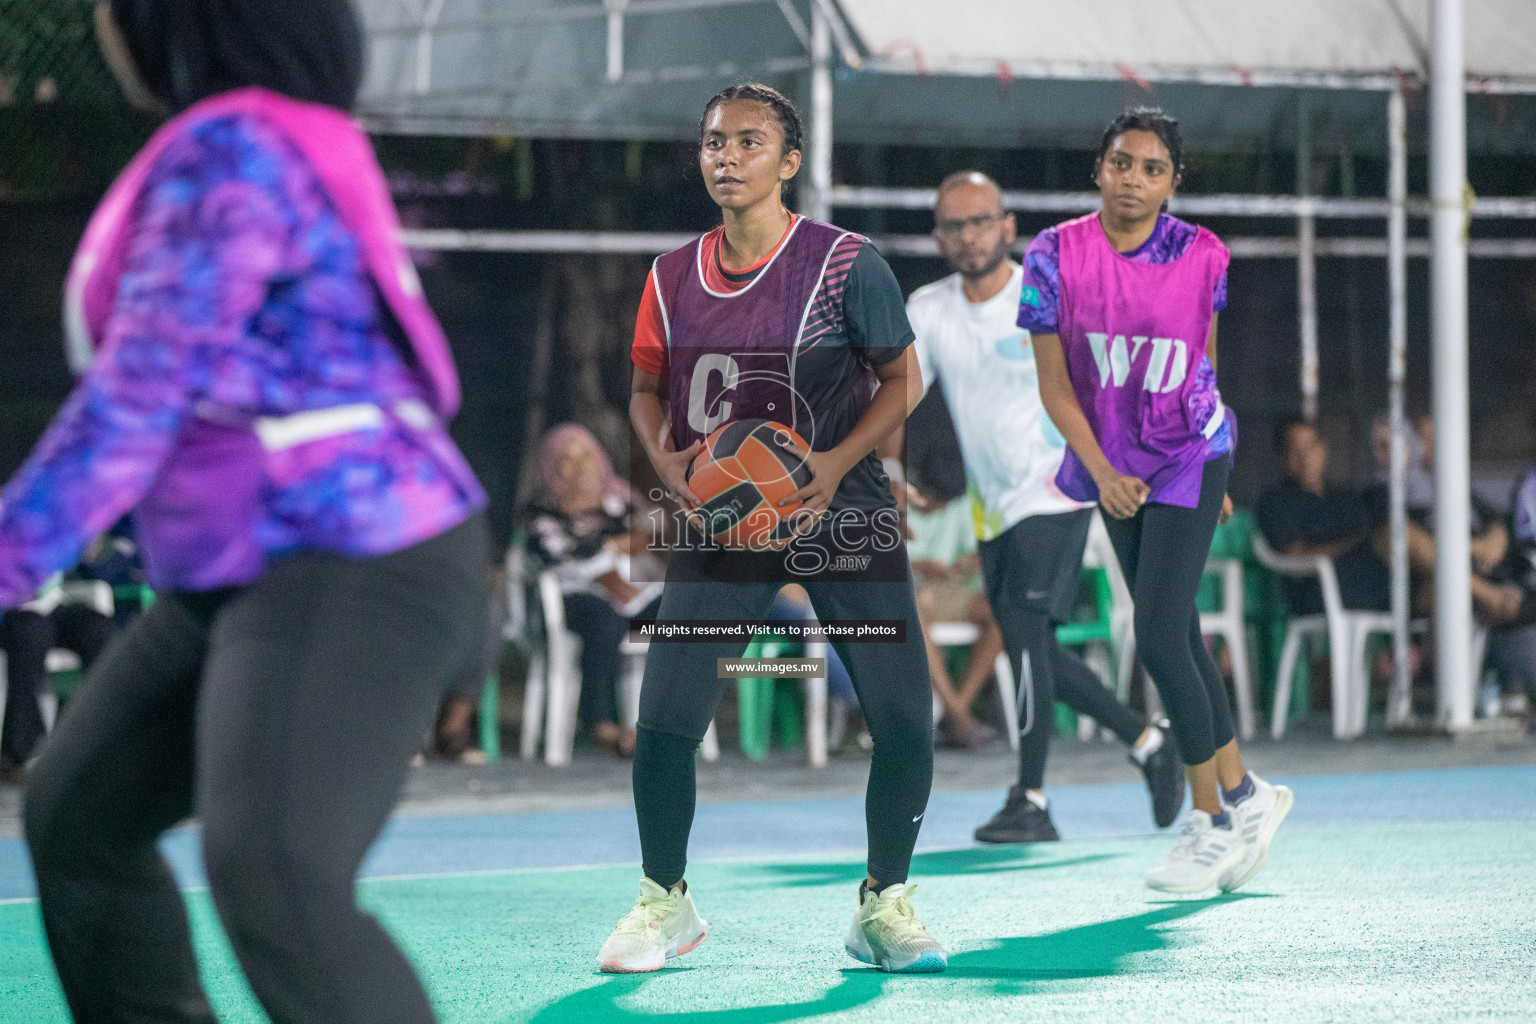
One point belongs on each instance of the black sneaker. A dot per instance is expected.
(1020, 821)
(1164, 772)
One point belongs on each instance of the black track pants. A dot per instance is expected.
(284, 715)
(1032, 571)
(26, 637)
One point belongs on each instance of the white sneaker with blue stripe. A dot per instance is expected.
(886, 933)
(1203, 855)
(1257, 817)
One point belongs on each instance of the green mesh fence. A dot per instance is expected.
(64, 128)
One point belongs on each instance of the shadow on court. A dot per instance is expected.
(977, 861)
(1013, 966)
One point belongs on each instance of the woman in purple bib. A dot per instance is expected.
(263, 385)
(778, 317)
(1122, 306)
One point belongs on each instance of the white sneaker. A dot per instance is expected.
(1257, 818)
(885, 932)
(664, 924)
(1201, 858)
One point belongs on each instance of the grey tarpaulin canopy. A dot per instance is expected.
(964, 72)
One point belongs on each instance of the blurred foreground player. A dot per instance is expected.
(1122, 307)
(779, 317)
(1031, 535)
(264, 384)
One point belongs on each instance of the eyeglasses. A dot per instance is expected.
(952, 229)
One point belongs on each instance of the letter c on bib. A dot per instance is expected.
(699, 416)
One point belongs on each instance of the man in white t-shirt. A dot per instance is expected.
(1031, 535)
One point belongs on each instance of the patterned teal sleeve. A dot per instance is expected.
(1040, 301)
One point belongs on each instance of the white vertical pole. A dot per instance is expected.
(1400, 700)
(818, 198)
(424, 34)
(615, 38)
(1306, 266)
(1448, 272)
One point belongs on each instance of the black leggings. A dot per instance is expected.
(1162, 551)
(26, 637)
(681, 691)
(284, 714)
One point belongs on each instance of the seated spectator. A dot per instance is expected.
(1506, 599)
(453, 737)
(1490, 537)
(581, 526)
(26, 636)
(946, 571)
(1305, 515)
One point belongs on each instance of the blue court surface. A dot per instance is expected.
(1388, 896)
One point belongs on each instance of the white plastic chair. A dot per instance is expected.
(817, 715)
(561, 688)
(1346, 631)
(553, 689)
(817, 712)
(517, 631)
(964, 634)
(1228, 624)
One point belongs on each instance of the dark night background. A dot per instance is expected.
(59, 147)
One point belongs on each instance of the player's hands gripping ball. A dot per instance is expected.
(749, 478)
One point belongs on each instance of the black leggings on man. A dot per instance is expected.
(26, 638)
(1032, 571)
(681, 691)
(284, 715)
(1162, 551)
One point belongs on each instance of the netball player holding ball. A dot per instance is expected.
(777, 317)
(1122, 306)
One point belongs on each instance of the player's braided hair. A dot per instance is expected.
(783, 109)
(1147, 119)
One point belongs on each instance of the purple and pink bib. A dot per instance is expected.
(1134, 335)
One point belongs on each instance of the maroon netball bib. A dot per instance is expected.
(731, 355)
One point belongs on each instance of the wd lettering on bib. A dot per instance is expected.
(1165, 369)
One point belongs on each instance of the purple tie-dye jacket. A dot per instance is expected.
(243, 292)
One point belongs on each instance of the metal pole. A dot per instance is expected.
(1448, 274)
(818, 198)
(866, 197)
(1244, 247)
(615, 38)
(1400, 697)
(424, 35)
(1306, 265)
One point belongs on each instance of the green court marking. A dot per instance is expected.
(1401, 923)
